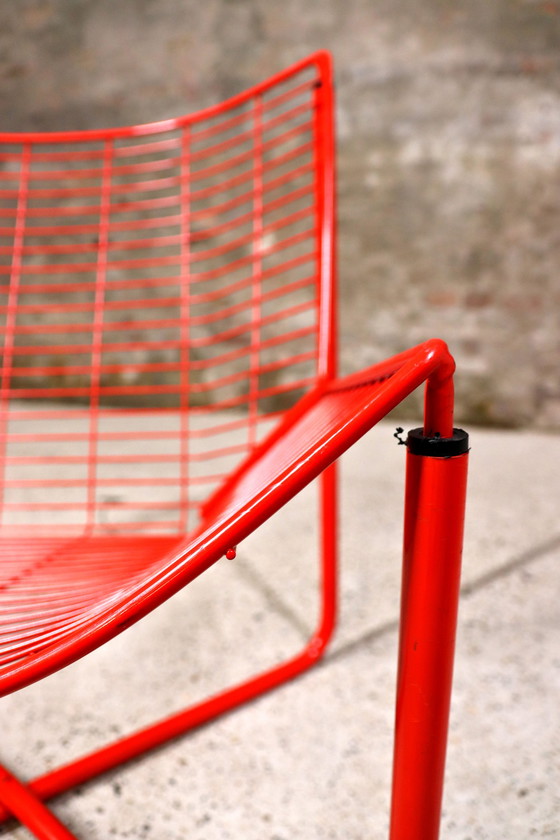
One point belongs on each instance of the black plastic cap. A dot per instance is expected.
(437, 447)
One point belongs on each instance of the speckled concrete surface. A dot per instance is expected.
(312, 760)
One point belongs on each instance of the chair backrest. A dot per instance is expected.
(165, 289)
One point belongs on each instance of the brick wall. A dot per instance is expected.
(449, 153)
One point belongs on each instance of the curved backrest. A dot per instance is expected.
(165, 290)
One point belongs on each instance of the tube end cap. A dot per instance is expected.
(437, 447)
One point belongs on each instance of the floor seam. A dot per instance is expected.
(273, 600)
(526, 557)
(467, 589)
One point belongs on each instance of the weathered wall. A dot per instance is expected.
(449, 153)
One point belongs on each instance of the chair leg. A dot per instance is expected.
(433, 536)
(30, 811)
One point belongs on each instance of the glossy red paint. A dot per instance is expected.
(30, 810)
(433, 539)
(201, 251)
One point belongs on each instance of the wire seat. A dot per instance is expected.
(167, 318)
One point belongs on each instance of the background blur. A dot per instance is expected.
(448, 154)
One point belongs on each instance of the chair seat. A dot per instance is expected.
(52, 587)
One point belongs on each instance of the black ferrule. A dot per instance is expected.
(437, 447)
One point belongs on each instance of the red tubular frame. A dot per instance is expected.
(435, 501)
(305, 445)
(22, 803)
(435, 498)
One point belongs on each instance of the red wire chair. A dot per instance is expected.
(172, 286)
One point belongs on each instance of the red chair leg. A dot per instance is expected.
(433, 535)
(21, 802)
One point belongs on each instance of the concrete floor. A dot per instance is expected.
(312, 760)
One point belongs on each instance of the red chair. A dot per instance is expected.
(172, 286)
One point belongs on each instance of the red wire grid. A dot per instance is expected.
(160, 285)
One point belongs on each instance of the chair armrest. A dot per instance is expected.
(330, 419)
